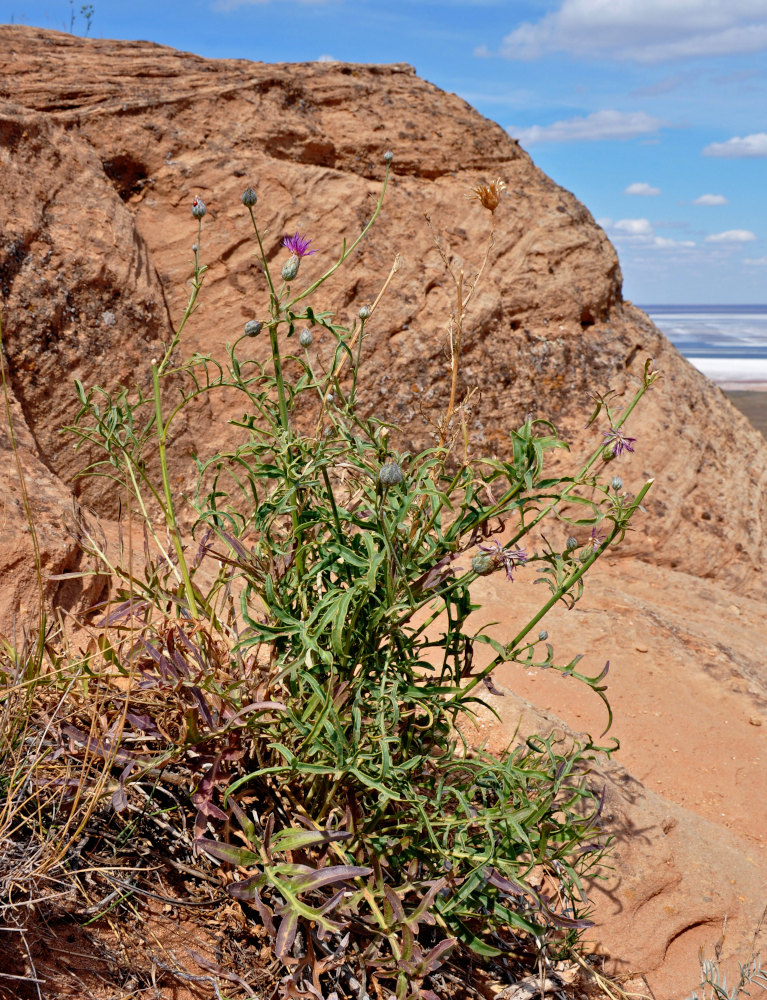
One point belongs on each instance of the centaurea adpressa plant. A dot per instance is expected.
(303, 661)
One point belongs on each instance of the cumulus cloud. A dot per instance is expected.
(642, 188)
(710, 199)
(732, 236)
(634, 227)
(326, 58)
(748, 145)
(640, 233)
(647, 31)
(590, 128)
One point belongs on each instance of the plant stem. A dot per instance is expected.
(568, 584)
(170, 513)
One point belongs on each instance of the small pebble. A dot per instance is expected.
(642, 649)
(755, 720)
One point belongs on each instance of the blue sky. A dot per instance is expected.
(653, 112)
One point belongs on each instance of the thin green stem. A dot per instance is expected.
(563, 589)
(170, 512)
(346, 250)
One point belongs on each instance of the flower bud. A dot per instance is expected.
(305, 338)
(388, 156)
(617, 483)
(364, 312)
(390, 473)
(198, 208)
(483, 563)
(572, 542)
(253, 328)
(543, 635)
(290, 267)
(249, 197)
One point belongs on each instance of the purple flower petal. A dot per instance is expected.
(298, 244)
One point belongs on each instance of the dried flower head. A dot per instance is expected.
(488, 195)
(494, 555)
(298, 245)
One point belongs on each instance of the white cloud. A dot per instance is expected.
(711, 199)
(593, 127)
(640, 234)
(643, 30)
(634, 227)
(642, 188)
(732, 236)
(326, 58)
(749, 145)
(756, 261)
(665, 241)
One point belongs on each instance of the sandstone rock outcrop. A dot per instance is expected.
(104, 144)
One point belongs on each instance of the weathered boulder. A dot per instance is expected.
(107, 143)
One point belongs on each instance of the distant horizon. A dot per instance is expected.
(700, 305)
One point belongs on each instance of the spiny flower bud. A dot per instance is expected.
(483, 563)
(572, 542)
(305, 338)
(617, 483)
(390, 473)
(290, 267)
(543, 635)
(253, 328)
(388, 156)
(198, 208)
(249, 197)
(364, 312)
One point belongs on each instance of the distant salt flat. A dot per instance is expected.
(733, 373)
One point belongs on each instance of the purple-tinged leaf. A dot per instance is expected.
(203, 707)
(264, 911)
(239, 856)
(495, 878)
(120, 797)
(435, 957)
(332, 875)
(247, 888)
(286, 935)
(398, 911)
(142, 722)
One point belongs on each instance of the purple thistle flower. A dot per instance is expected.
(508, 558)
(298, 245)
(620, 442)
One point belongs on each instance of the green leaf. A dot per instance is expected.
(292, 839)
(240, 856)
